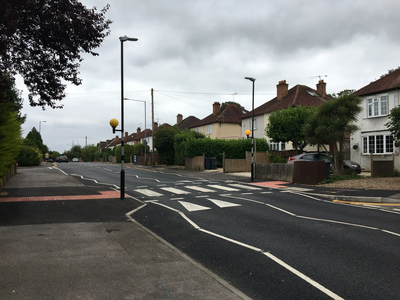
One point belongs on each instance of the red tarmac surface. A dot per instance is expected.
(103, 195)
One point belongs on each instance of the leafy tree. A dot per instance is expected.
(34, 139)
(164, 143)
(44, 40)
(11, 96)
(90, 152)
(330, 124)
(225, 104)
(286, 125)
(10, 139)
(394, 124)
(75, 152)
(55, 154)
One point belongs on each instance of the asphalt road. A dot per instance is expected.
(269, 243)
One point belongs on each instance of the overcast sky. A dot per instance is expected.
(196, 52)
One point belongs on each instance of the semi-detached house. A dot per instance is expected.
(378, 98)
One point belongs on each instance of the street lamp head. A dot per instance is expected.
(125, 38)
(250, 78)
(247, 132)
(114, 124)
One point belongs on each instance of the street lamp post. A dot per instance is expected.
(40, 125)
(122, 187)
(252, 129)
(145, 136)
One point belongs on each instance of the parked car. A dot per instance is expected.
(63, 159)
(317, 156)
(75, 159)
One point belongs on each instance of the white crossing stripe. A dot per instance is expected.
(193, 207)
(225, 188)
(199, 188)
(243, 186)
(223, 204)
(148, 192)
(175, 191)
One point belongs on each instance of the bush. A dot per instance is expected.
(29, 156)
(276, 159)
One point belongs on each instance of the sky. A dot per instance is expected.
(194, 53)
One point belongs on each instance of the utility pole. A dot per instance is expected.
(152, 127)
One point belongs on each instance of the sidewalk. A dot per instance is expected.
(63, 240)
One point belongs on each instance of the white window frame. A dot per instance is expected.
(377, 106)
(377, 144)
(255, 124)
(209, 129)
(273, 146)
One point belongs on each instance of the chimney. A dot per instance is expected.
(138, 130)
(321, 88)
(216, 108)
(155, 124)
(126, 135)
(281, 90)
(179, 118)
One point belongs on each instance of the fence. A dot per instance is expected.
(10, 173)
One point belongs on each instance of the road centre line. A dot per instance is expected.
(317, 219)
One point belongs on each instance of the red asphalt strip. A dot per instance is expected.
(103, 195)
(271, 184)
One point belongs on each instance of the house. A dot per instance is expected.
(185, 123)
(378, 98)
(285, 97)
(223, 123)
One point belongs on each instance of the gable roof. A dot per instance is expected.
(296, 96)
(187, 122)
(231, 114)
(388, 82)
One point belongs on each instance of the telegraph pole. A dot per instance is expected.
(152, 127)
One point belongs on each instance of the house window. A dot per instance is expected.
(382, 144)
(255, 124)
(209, 129)
(276, 146)
(377, 106)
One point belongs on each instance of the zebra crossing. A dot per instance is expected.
(178, 192)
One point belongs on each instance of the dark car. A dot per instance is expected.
(315, 156)
(63, 159)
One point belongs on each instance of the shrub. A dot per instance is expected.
(29, 156)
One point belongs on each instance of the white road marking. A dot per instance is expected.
(175, 191)
(266, 193)
(107, 169)
(297, 189)
(225, 188)
(199, 188)
(148, 192)
(177, 198)
(193, 207)
(243, 186)
(223, 204)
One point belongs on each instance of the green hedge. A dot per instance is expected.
(29, 156)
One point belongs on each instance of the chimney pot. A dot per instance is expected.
(216, 108)
(321, 88)
(179, 118)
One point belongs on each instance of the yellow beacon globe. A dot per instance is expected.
(114, 123)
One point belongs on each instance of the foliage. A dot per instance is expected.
(106, 152)
(276, 159)
(90, 153)
(389, 71)
(164, 143)
(330, 124)
(286, 125)
(29, 156)
(75, 152)
(394, 124)
(10, 97)
(43, 42)
(338, 177)
(216, 148)
(182, 136)
(55, 154)
(10, 138)
(34, 140)
(343, 93)
(225, 104)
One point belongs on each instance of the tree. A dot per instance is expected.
(183, 136)
(34, 140)
(10, 138)
(330, 124)
(286, 125)
(11, 96)
(394, 124)
(164, 143)
(43, 41)
(225, 104)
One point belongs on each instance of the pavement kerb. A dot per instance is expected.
(195, 263)
(356, 198)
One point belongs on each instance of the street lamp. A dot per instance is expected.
(247, 132)
(40, 125)
(252, 129)
(112, 122)
(145, 136)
